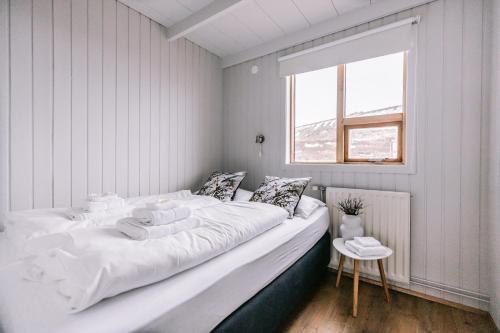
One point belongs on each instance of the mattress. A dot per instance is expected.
(195, 300)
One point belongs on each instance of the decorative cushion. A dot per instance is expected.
(222, 185)
(281, 192)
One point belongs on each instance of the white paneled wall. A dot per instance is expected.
(492, 183)
(448, 254)
(94, 98)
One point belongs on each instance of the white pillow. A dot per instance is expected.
(305, 208)
(242, 195)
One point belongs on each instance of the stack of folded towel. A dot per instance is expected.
(157, 220)
(99, 206)
(366, 247)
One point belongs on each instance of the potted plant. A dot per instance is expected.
(351, 221)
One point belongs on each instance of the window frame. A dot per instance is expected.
(344, 124)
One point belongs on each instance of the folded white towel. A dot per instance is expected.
(97, 206)
(79, 214)
(365, 251)
(150, 217)
(162, 205)
(134, 229)
(105, 196)
(94, 206)
(367, 241)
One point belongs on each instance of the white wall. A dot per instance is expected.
(448, 251)
(94, 98)
(493, 154)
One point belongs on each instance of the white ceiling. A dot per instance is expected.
(250, 23)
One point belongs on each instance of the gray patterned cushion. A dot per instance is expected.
(281, 192)
(222, 185)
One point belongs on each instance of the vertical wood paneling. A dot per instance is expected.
(94, 98)
(4, 105)
(445, 203)
(109, 95)
(62, 103)
(134, 85)
(181, 113)
(155, 69)
(122, 100)
(42, 103)
(470, 142)
(79, 116)
(21, 99)
(433, 144)
(144, 104)
(164, 114)
(173, 84)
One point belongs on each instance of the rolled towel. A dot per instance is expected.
(94, 206)
(367, 241)
(365, 251)
(134, 229)
(102, 196)
(162, 205)
(149, 217)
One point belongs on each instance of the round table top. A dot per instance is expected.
(339, 245)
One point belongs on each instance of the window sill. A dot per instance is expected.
(395, 168)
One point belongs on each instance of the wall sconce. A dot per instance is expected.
(260, 140)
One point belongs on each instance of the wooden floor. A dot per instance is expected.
(330, 311)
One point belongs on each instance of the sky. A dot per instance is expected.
(370, 84)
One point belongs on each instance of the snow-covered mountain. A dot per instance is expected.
(317, 141)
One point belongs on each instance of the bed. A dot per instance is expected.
(254, 287)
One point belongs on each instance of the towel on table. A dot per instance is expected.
(150, 217)
(367, 241)
(365, 251)
(134, 229)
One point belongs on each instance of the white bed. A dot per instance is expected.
(195, 300)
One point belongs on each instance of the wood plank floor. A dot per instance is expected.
(330, 311)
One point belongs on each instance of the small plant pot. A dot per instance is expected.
(351, 227)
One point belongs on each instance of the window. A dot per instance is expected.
(349, 113)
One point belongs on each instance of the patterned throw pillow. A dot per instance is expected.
(222, 185)
(281, 192)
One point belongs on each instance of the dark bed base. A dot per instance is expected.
(269, 310)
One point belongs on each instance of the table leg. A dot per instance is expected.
(384, 282)
(356, 286)
(339, 270)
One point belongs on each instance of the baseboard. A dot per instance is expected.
(406, 290)
(482, 298)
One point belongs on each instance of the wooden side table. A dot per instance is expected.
(338, 244)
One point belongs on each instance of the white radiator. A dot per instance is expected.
(386, 217)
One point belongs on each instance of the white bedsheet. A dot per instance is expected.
(195, 300)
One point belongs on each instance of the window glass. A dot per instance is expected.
(315, 116)
(375, 143)
(374, 86)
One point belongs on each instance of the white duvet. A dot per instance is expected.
(88, 265)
